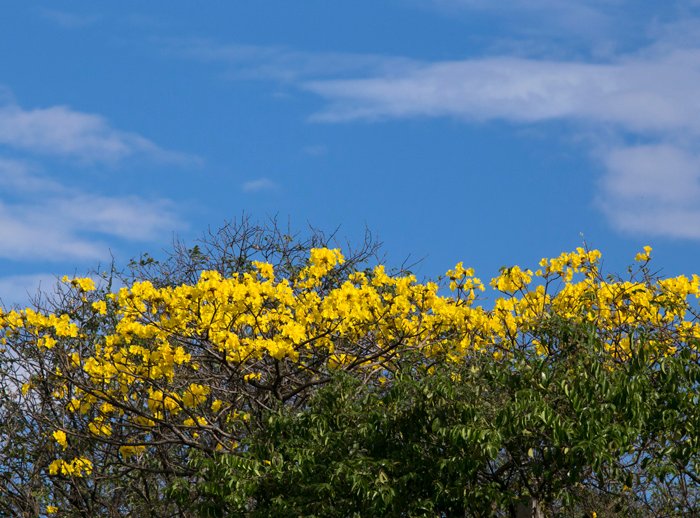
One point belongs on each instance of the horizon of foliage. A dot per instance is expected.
(125, 401)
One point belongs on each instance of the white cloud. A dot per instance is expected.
(63, 132)
(26, 234)
(650, 220)
(45, 219)
(50, 221)
(20, 289)
(660, 172)
(652, 189)
(642, 94)
(127, 217)
(20, 177)
(260, 184)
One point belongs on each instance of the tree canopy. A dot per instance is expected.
(259, 373)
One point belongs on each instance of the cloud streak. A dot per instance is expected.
(280, 63)
(60, 131)
(47, 220)
(69, 20)
(19, 289)
(594, 27)
(644, 94)
(652, 189)
(260, 184)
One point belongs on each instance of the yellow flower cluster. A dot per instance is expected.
(60, 437)
(512, 279)
(463, 281)
(149, 358)
(131, 450)
(643, 256)
(82, 283)
(44, 327)
(77, 467)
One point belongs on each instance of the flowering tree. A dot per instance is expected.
(112, 397)
(561, 436)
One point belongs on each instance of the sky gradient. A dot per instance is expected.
(493, 133)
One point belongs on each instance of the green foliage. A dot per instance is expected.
(477, 439)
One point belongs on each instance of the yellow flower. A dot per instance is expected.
(81, 465)
(51, 509)
(75, 468)
(512, 279)
(323, 260)
(643, 256)
(131, 450)
(47, 342)
(195, 395)
(265, 269)
(61, 439)
(55, 467)
(251, 376)
(100, 306)
(194, 422)
(99, 428)
(84, 283)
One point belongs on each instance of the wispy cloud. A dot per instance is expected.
(280, 63)
(641, 94)
(595, 27)
(69, 20)
(653, 190)
(259, 184)
(20, 289)
(18, 176)
(63, 132)
(47, 220)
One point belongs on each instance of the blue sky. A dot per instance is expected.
(492, 133)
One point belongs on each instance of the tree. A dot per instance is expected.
(478, 438)
(135, 400)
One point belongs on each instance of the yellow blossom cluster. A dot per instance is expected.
(60, 437)
(77, 467)
(186, 355)
(131, 450)
(45, 327)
